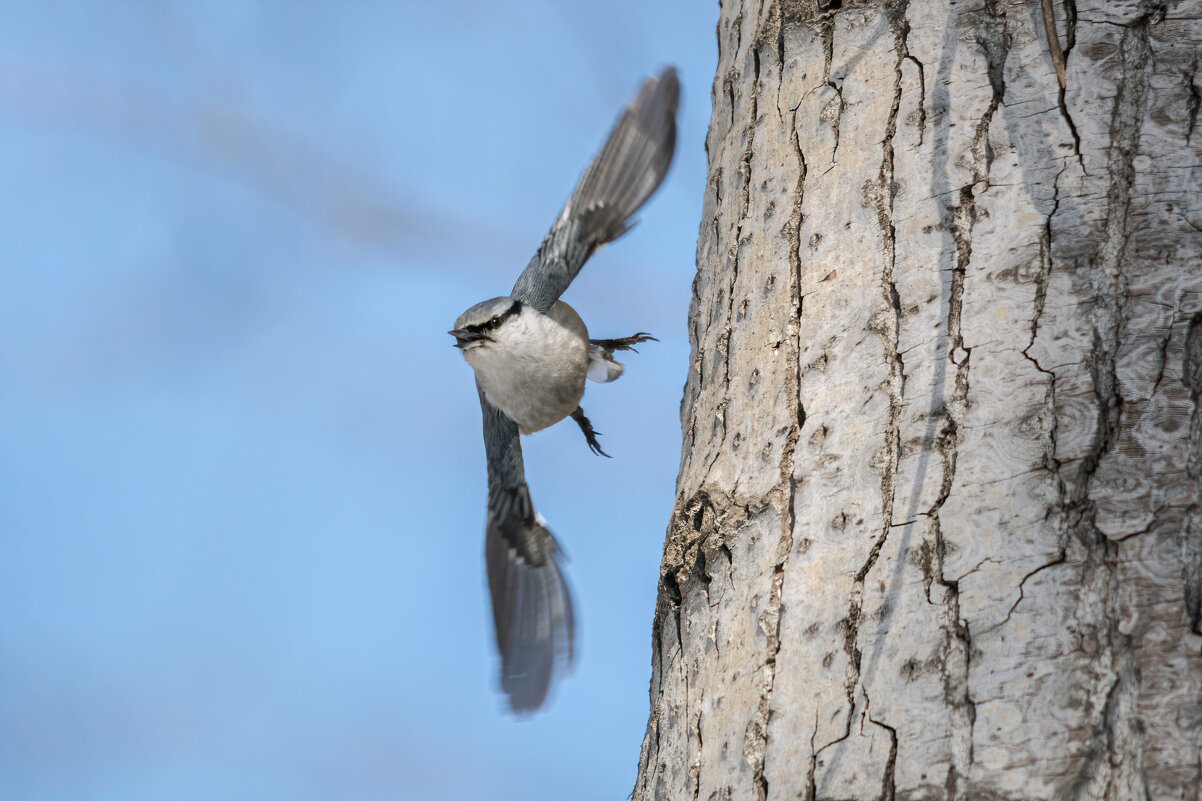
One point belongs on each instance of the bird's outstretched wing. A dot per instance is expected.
(531, 602)
(627, 171)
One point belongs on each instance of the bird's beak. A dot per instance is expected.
(463, 337)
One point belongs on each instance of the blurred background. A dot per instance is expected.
(242, 483)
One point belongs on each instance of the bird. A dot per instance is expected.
(531, 355)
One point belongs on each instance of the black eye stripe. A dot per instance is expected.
(489, 324)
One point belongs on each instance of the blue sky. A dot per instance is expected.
(241, 477)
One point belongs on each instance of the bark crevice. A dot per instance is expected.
(783, 493)
(1116, 751)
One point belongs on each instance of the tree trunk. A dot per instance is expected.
(938, 530)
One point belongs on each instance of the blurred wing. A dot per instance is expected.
(627, 171)
(531, 602)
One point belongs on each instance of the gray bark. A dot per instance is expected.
(938, 530)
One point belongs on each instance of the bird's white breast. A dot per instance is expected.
(535, 370)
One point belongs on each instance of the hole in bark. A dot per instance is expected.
(702, 570)
(671, 588)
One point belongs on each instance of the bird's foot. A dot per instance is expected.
(589, 434)
(624, 343)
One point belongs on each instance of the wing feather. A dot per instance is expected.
(630, 167)
(531, 601)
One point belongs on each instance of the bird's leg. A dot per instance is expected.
(624, 343)
(589, 434)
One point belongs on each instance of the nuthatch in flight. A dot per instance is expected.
(531, 353)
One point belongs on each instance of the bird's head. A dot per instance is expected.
(482, 323)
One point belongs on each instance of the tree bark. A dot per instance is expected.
(938, 527)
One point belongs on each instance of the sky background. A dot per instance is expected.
(242, 483)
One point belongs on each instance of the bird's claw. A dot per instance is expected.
(590, 434)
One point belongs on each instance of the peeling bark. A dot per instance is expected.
(938, 530)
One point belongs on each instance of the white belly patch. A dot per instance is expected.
(534, 372)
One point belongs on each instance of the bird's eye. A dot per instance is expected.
(495, 321)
